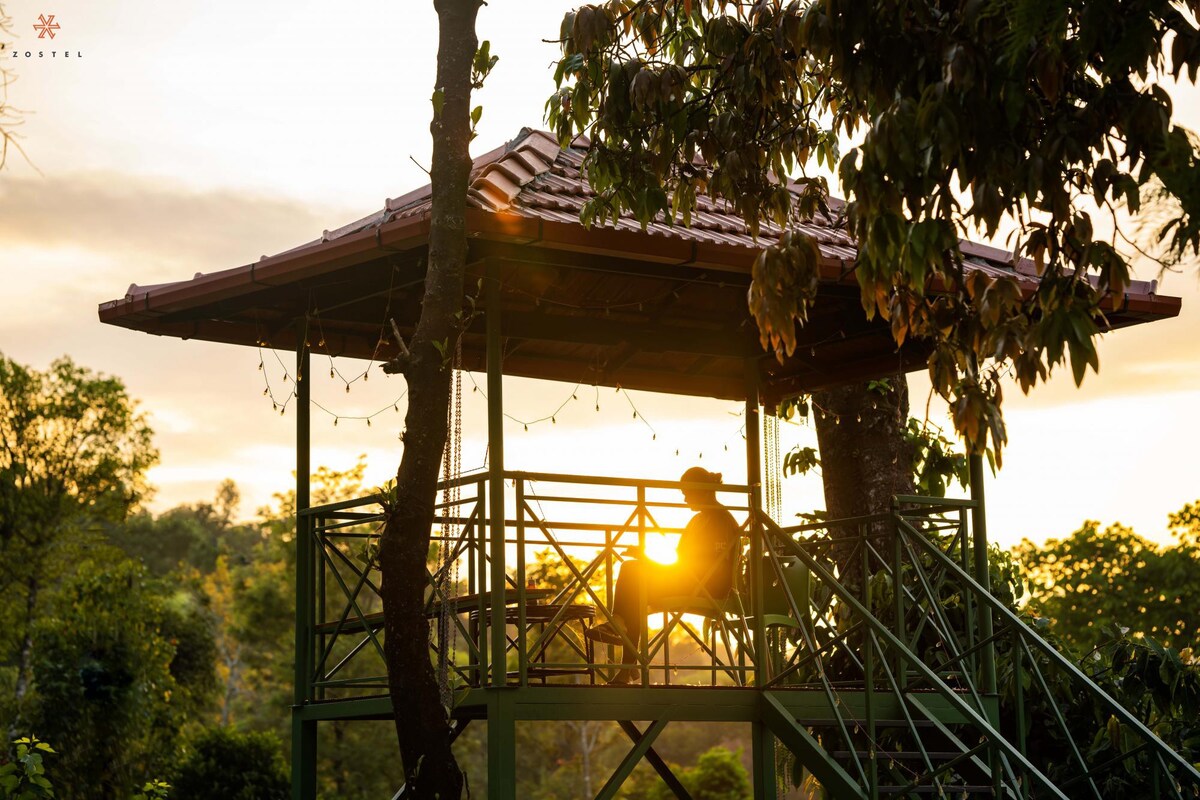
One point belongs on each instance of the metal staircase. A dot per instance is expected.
(930, 645)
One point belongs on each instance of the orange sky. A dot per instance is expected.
(193, 137)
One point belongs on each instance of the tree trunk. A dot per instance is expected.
(422, 726)
(25, 657)
(865, 459)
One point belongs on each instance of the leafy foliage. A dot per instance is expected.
(114, 682)
(227, 764)
(24, 777)
(1096, 581)
(718, 774)
(74, 451)
(190, 535)
(975, 116)
(71, 444)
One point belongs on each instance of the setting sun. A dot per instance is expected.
(660, 547)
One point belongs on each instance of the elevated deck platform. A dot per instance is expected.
(866, 646)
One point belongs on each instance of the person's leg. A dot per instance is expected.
(630, 612)
(626, 593)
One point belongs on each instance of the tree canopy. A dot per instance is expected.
(72, 444)
(1096, 580)
(1048, 116)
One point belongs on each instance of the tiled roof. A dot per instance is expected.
(662, 309)
(533, 177)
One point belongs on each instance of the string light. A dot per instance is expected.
(281, 406)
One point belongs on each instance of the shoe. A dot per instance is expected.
(607, 633)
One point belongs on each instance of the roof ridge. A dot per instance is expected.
(531, 154)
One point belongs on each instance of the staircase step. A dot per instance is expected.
(948, 790)
(898, 755)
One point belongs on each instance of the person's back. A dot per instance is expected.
(708, 547)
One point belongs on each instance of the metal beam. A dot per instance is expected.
(304, 731)
(982, 571)
(630, 761)
(656, 761)
(725, 340)
(495, 417)
(816, 759)
(501, 745)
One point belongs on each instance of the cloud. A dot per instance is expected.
(153, 227)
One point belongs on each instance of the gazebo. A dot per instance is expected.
(873, 697)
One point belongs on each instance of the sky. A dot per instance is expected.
(190, 137)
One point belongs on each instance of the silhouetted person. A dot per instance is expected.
(703, 568)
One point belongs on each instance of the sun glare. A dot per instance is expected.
(660, 547)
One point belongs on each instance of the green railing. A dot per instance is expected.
(885, 621)
(564, 541)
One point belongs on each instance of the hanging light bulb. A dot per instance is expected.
(527, 427)
(331, 372)
(347, 388)
(553, 421)
(260, 365)
(266, 392)
(335, 422)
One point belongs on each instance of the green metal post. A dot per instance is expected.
(754, 481)
(869, 672)
(501, 746)
(762, 742)
(766, 785)
(522, 638)
(982, 572)
(304, 732)
(1019, 686)
(900, 668)
(643, 622)
(495, 384)
(979, 549)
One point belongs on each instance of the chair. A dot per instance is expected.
(722, 615)
(786, 597)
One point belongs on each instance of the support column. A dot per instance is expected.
(304, 732)
(501, 746)
(762, 742)
(982, 572)
(754, 481)
(495, 399)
